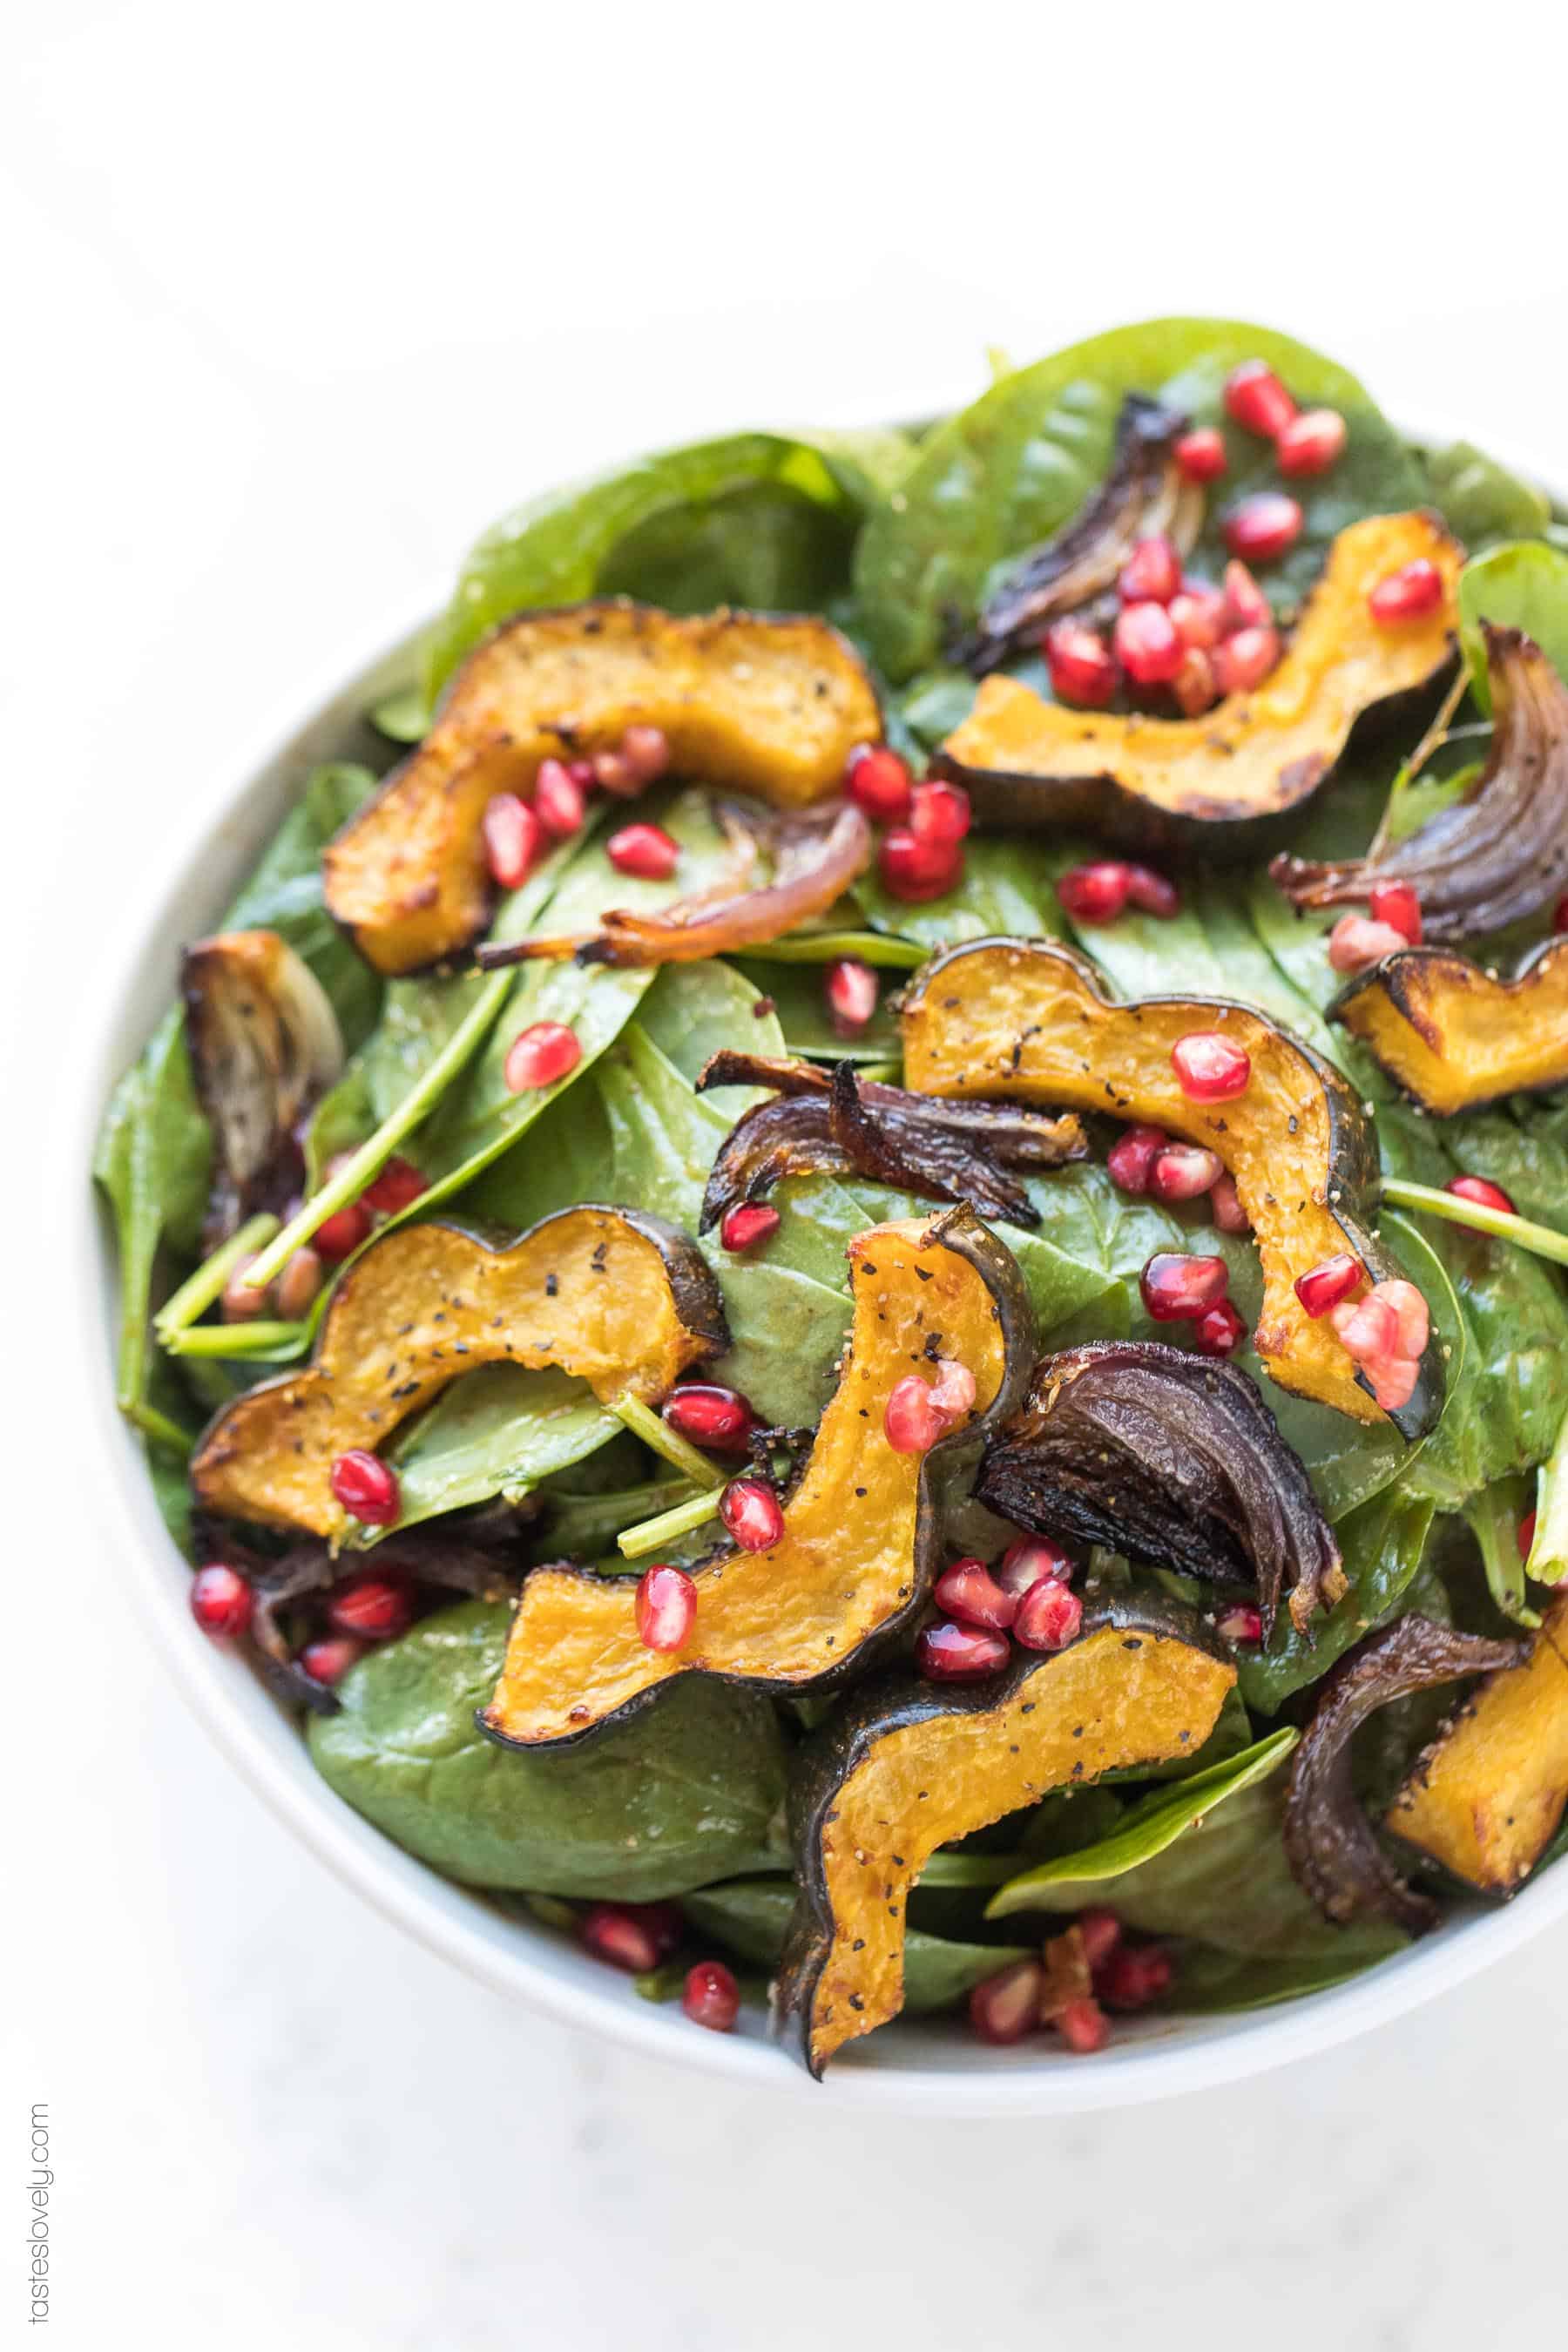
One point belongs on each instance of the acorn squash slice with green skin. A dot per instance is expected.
(770, 706)
(861, 1544)
(907, 1766)
(1453, 1037)
(1225, 784)
(1024, 1020)
(614, 1296)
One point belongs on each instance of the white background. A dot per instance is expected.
(296, 298)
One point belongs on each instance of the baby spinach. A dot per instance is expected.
(752, 1917)
(153, 1164)
(1482, 501)
(1520, 585)
(689, 1791)
(1213, 1983)
(1547, 1562)
(498, 1431)
(1380, 1544)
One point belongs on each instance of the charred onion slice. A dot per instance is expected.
(848, 1126)
(1331, 1845)
(264, 1045)
(1170, 1458)
(1498, 855)
(816, 859)
(1145, 492)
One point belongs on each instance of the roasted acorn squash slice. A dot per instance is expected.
(618, 1298)
(1206, 782)
(860, 1546)
(906, 1766)
(1454, 1036)
(1023, 1018)
(767, 705)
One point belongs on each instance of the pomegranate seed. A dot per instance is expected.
(1132, 1979)
(222, 1602)
(1177, 1289)
(1151, 893)
(299, 1285)
(1246, 605)
(646, 751)
(1099, 1931)
(1246, 659)
(366, 1486)
(850, 988)
(512, 837)
(1257, 399)
(1003, 2007)
(1220, 1332)
(939, 813)
(1083, 2026)
(1210, 1067)
(584, 773)
(1226, 1211)
(1200, 454)
(746, 1225)
(914, 869)
(1263, 527)
(611, 772)
(1081, 665)
(711, 1415)
(1131, 1161)
(327, 1662)
(1097, 893)
(1200, 617)
(240, 1303)
(1484, 1194)
(1147, 645)
(1183, 1171)
(1048, 1616)
(1526, 1536)
(751, 1513)
(666, 1608)
(1560, 914)
(911, 1420)
(1311, 442)
(645, 850)
(1195, 686)
(541, 1055)
(1031, 1561)
(1407, 594)
(969, 1591)
(1397, 905)
(878, 781)
(375, 1608)
(952, 1390)
(1368, 1329)
(629, 1936)
(560, 802)
(1323, 1285)
(397, 1187)
(1356, 941)
(1240, 1623)
(1152, 574)
(1410, 1313)
(946, 1652)
(1393, 1381)
(338, 1235)
(712, 1997)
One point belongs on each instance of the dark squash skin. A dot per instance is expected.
(1453, 1037)
(619, 1299)
(906, 1766)
(861, 1545)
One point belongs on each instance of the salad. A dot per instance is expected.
(853, 1266)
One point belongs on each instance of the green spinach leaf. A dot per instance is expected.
(752, 1917)
(1480, 500)
(1520, 585)
(498, 1431)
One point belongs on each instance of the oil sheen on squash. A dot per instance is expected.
(1454, 1036)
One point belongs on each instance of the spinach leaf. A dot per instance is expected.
(1480, 500)
(153, 1163)
(1520, 585)
(498, 1431)
(801, 1010)
(1382, 1545)
(689, 1791)
(752, 1917)
(1210, 1983)
(1547, 1562)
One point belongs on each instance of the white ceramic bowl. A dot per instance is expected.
(934, 2070)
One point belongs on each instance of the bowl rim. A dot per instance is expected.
(1165, 2057)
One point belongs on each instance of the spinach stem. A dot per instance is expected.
(232, 1339)
(159, 1428)
(652, 1534)
(884, 947)
(1540, 1240)
(657, 1434)
(207, 1286)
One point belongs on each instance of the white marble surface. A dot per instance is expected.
(296, 301)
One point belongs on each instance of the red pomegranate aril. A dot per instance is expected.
(1096, 892)
(621, 1934)
(366, 1486)
(1246, 659)
(397, 1187)
(1312, 441)
(1003, 2007)
(611, 772)
(513, 837)
(1130, 1160)
(338, 1235)
(240, 1302)
(914, 869)
(1210, 1067)
(1083, 2025)
(560, 802)
(583, 773)
(969, 1591)
(948, 1652)
(1560, 915)
(327, 1661)
(752, 1514)
(1184, 1171)
(1263, 527)
(1407, 594)
(911, 1420)
(952, 1390)
(1134, 1975)
(1357, 941)
(1220, 1331)
(1178, 1290)
(710, 1415)
(1082, 667)
(1397, 905)
(850, 988)
(373, 1607)
(1196, 686)
(1226, 1212)
(1484, 1194)
(541, 1055)
(1323, 1285)
(1411, 1314)
(1257, 399)
(1201, 453)
(1031, 1561)
(1146, 644)
(1200, 617)
(711, 1997)
(746, 1225)
(646, 751)
(1525, 1536)
(666, 1608)
(878, 781)
(1152, 574)
(1368, 1329)
(1048, 1616)
(299, 1285)
(1100, 1931)
(939, 813)
(1240, 1623)
(645, 850)
(222, 1602)
(1246, 605)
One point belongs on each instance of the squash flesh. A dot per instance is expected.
(1453, 1037)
